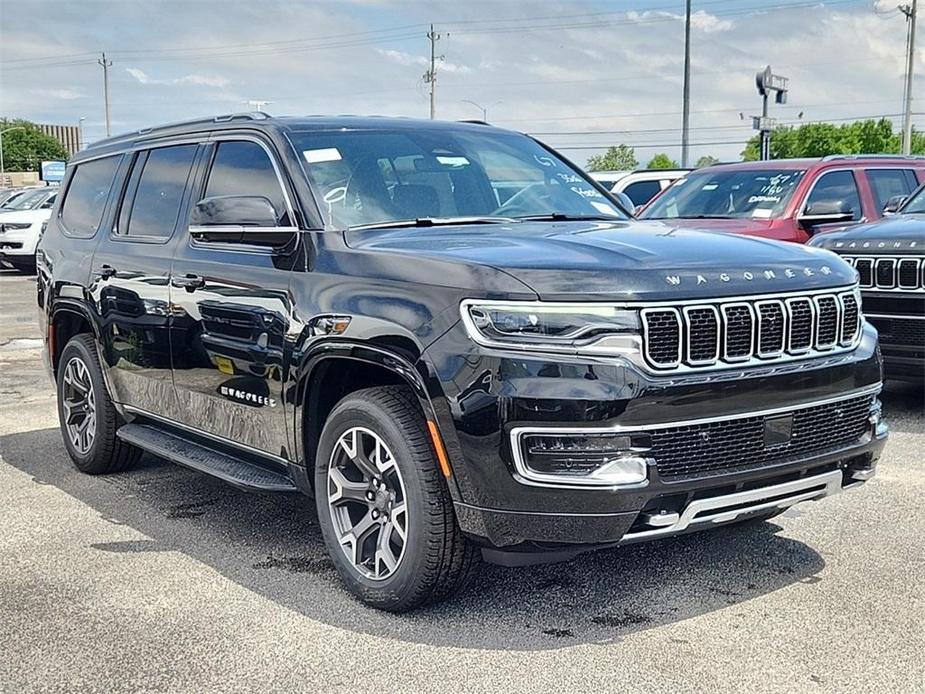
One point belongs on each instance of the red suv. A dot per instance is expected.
(788, 199)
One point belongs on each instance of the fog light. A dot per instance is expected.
(584, 459)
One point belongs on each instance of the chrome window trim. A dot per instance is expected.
(528, 478)
(818, 344)
(783, 333)
(754, 329)
(645, 336)
(812, 324)
(685, 334)
(876, 276)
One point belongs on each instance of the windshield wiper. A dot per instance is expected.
(694, 216)
(434, 222)
(563, 217)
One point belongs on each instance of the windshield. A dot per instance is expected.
(756, 194)
(27, 200)
(372, 177)
(916, 203)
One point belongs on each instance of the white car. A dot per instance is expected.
(639, 186)
(21, 226)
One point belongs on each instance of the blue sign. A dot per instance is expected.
(53, 171)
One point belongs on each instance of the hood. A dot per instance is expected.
(892, 234)
(22, 216)
(618, 260)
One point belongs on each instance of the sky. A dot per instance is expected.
(580, 74)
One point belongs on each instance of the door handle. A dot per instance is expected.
(106, 271)
(189, 282)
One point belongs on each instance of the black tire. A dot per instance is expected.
(105, 453)
(437, 559)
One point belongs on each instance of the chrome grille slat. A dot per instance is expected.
(889, 273)
(717, 333)
(907, 273)
(885, 273)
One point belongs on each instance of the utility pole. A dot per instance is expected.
(911, 12)
(686, 108)
(431, 75)
(106, 65)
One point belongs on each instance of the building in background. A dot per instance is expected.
(67, 135)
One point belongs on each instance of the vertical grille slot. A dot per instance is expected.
(800, 314)
(771, 328)
(865, 268)
(826, 322)
(702, 324)
(738, 331)
(908, 273)
(849, 321)
(886, 273)
(662, 336)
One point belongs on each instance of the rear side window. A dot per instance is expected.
(885, 183)
(154, 192)
(837, 186)
(244, 168)
(641, 192)
(86, 196)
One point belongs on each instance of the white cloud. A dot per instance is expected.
(409, 59)
(191, 80)
(708, 23)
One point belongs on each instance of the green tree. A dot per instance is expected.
(662, 161)
(706, 160)
(820, 139)
(26, 149)
(619, 158)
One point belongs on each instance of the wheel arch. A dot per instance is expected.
(67, 319)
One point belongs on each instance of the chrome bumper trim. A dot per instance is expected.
(722, 509)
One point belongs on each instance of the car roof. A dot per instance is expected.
(835, 160)
(260, 120)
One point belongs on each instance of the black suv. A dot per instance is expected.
(889, 257)
(450, 337)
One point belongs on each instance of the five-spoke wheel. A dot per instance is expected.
(79, 404)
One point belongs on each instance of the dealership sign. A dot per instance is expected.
(53, 171)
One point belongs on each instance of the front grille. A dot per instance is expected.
(734, 445)
(901, 331)
(720, 333)
(895, 273)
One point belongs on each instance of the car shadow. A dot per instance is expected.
(903, 403)
(272, 545)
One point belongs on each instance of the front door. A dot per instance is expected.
(131, 270)
(232, 312)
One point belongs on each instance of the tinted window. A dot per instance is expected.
(837, 186)
(155, 191)
(244, 168)
(641, 192)
(885, 183)
(86, 196)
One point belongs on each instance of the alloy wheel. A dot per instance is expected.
(79, 403)
(367, 501)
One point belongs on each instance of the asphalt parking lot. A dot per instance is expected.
(161, 579)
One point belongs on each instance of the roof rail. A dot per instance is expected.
(225, 118)
(474, 121)
(836, 157)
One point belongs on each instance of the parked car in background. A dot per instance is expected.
(18, 197)
(7, 193)
(21, 226)
(788, 199)
(639, 186)
(889, 257)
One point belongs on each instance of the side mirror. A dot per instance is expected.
(249, 219)
(894, 203)
(826, 212)
(625, 202)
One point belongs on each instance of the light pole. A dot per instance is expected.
(2, 169)
(80, 133)
(481, 108)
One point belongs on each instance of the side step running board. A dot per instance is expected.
(236, 471)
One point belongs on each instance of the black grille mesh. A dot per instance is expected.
(738, 331)
(714, 448)
(885, 270)
(663, 336)
(704, 334)
(865, 268)
(901, 331)
(827, 320)
(801, 324)
(771, 334)
(908, 273)
(849, 318)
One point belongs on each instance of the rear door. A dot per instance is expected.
(130, 277)
(231, 308)
(886, 183)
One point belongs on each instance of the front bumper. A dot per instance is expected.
(492, 396)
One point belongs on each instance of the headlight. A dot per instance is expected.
(541, 325)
